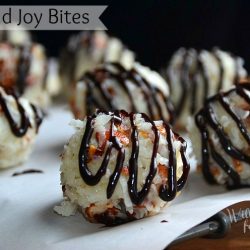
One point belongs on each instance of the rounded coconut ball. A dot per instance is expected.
(86, 50)
(195, 75)
(121, 166)
(24, 68)
(19, 123)
(113, 87)
(221, 137)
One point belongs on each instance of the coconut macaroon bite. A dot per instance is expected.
(24, 68)
(19, 123)
(121, 166)
(221, 137)
(112, 87)
(88, 49)
(193, 76)
(15, 36)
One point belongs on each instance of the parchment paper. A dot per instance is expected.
(27, 219)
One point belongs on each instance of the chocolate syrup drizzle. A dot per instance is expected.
(94, 82)
(189, 82)
(205, 118)
(28, 171)
(23, 68)
(167, 190)
(38, 116)
(19, 130)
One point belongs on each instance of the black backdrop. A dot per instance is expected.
(154, 29)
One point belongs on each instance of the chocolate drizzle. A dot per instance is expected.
(28, 171)
(38, 116)
(138, 197)
(17, 80)
(189, 81)
(23, 69)
(95, 80)
(167, 190)
(19, 130)
(184, 76)
(221, 74)
(205, 118)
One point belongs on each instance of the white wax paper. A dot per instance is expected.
(27, 219)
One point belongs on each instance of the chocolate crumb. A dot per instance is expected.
(28, 171)
(163, 221)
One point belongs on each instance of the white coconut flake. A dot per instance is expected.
(77, 123)
(66, 208)
(102, 120)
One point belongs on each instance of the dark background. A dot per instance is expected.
(154, 29)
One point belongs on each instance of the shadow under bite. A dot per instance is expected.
(67, 227)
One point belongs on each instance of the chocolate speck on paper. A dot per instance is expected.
(28, 171)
